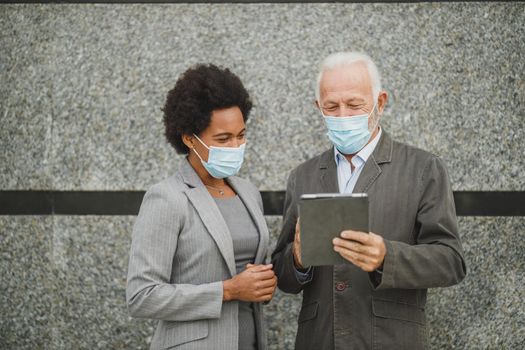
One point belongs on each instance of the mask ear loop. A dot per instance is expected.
(201, 142)
(378, 118)
(194, 150)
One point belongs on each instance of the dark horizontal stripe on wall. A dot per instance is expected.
(488, 203)
(468, 203)
(70, 202)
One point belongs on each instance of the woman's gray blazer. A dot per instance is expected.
(181, 252)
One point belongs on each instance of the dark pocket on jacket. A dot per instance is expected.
(398, 311)
(311, 334)
(398, 326)
(308, 312)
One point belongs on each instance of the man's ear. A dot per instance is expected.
(317, 105)
(382, 100)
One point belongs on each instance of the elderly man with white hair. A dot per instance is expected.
(377, 300)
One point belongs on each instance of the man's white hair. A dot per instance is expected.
(347, 58)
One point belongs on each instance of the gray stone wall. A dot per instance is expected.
(80, 97)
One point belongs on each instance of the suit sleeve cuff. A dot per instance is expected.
(303, 277)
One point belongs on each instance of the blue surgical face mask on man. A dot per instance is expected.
(222, 161)
(349, 134)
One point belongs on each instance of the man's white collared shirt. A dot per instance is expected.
(347, 178)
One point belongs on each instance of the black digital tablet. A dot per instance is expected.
(322, 217)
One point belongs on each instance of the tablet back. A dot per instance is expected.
(322, 218)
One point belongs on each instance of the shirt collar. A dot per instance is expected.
(361, 156)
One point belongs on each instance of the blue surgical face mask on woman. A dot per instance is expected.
(222, 161)
(349, 134)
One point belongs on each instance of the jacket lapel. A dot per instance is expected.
(250, 201)
(328, 173)
(209, 213)
(372, 170)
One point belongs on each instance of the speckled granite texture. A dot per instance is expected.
(63, 284)
(82, 85)
(63, 280)
(80, 97)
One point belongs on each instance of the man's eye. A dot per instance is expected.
(331, 108)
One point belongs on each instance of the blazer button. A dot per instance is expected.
(340, 286)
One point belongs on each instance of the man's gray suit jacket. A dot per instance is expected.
(181, 252)
(412, 208)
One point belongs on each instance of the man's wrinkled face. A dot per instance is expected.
(346, 91)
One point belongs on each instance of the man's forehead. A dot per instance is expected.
(354, 73)
(352, 77)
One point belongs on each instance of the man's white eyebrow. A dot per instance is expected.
(352, 99)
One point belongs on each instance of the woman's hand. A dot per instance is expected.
(255, 284)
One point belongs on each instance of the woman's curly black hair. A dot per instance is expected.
(197, 93)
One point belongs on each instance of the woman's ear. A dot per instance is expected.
(188, 141)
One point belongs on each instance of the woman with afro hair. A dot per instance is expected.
(199, 245)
